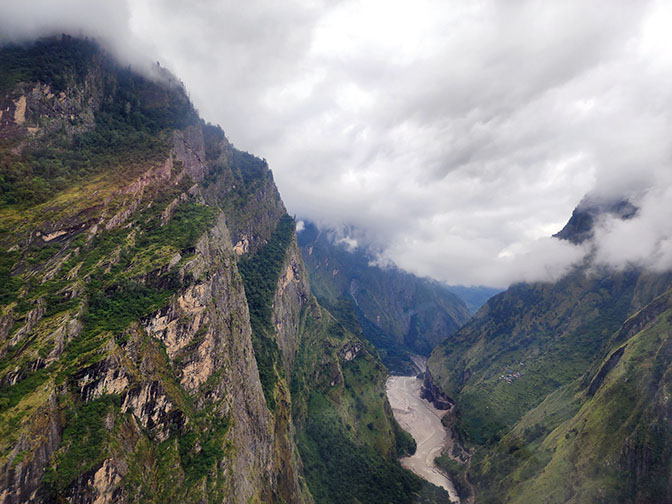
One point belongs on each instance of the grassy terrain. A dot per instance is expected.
(525, 369)
(610, 447)
(527, 342)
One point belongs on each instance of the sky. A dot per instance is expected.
(451, 138)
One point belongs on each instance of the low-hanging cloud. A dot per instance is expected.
(452, 138)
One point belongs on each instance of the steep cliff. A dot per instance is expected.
(158, 338)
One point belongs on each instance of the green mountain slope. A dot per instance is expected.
(159, 341)
(555, 385)
(604, 438)
(400, 313)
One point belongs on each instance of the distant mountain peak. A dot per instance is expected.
(581, 224)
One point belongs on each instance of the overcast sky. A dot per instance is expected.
(454, 137)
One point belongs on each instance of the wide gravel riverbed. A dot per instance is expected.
(423, 422)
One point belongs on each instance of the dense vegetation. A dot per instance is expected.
(9, 284)
(260, 276)
(126, 131)
(456, 471)
(341, 471)
(86, 437)
(55, 61)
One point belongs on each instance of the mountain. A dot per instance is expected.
(159, 340)
(563, 388)
(399, 313)
(580, 226)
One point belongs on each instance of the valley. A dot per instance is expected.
(169, 332)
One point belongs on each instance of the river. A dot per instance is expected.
(423, 422)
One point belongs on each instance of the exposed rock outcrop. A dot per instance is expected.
(433, 393)
(350, 351)
(291, 295)
(608, 366)
(22, 473)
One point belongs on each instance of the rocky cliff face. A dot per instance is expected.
(158, 338)
(290, 298)
(433, 393)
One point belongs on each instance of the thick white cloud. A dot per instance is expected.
(453, 136)
(644, 240)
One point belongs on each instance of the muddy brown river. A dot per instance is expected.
(419, 417)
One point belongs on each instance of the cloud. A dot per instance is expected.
(642, 241)
(450, 137)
